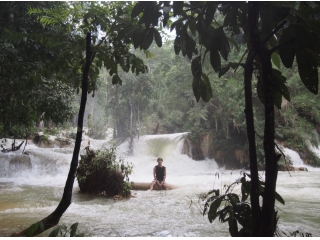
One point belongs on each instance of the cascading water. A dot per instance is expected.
(294, 157)
(29, 194)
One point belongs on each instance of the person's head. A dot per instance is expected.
(159, 160)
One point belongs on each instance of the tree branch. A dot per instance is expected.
(274, 31)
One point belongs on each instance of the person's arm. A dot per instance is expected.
(155, 175)
(164, 175)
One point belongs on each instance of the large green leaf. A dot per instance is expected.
(279, 198)
(245, 190)
(147, 38)
(215, 60)
(116, 79)
(55, 232)
(196, 67)
(209, 12)
(137, 9)
(196, 88)
(234, 198)
(137, 37)
(190, 45)
(73, 229)
(308, 70)
(276, 59)
(157, 37)
(205, 88)
(192, 26)
(34, 227)
(277, 98)
(212, 214)
(286, 48)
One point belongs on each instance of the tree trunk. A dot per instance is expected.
(54, 218)
(254, 195)
(268, 216)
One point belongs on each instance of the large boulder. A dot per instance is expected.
(62, 142)
(20, 163)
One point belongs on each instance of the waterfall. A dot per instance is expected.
(148, 148)
(294, 157)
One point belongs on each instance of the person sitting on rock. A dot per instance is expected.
(159, 173)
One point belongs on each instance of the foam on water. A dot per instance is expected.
(34, 193)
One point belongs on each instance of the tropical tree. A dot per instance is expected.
(275, 33)
(87, 21)
(30, 89)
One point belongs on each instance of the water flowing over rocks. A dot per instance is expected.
(20, 163)
(12, 164)
(42, 141)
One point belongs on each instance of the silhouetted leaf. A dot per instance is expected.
(41, 226)
(245, 190)
(73, 229)
(215, 60)
(147, 38)
(137, 9)
(205, 88)
(210, 11)
(196, 88)
(192, 26)
(212, 214)
(286, 48)
(55, 232)
(234, 198)
(308, 71)
(116, 80)
(157, 37)
(34, 227)
(277, 98)
(224, 44)
(279, 198)
(196, 67)
(275, 59)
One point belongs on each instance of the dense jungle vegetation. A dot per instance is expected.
(163, 95)
(135, 83)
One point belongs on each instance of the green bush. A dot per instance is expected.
(100, 172)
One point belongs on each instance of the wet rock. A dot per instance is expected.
(62, 142)
(20, 163)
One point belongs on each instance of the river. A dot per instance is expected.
(28, 195)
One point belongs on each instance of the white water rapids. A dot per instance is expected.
(28, 195)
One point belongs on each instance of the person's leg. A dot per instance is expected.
(166, 186)
(152, 184)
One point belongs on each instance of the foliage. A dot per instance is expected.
(64, 231)
(28, 88)
(100, 172)
(233, 208)
(60, 231)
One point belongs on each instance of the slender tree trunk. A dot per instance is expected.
(254, 196)
(268, 215)
(54, 218)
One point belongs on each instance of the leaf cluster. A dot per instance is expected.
(230, 208)
(100, 171)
